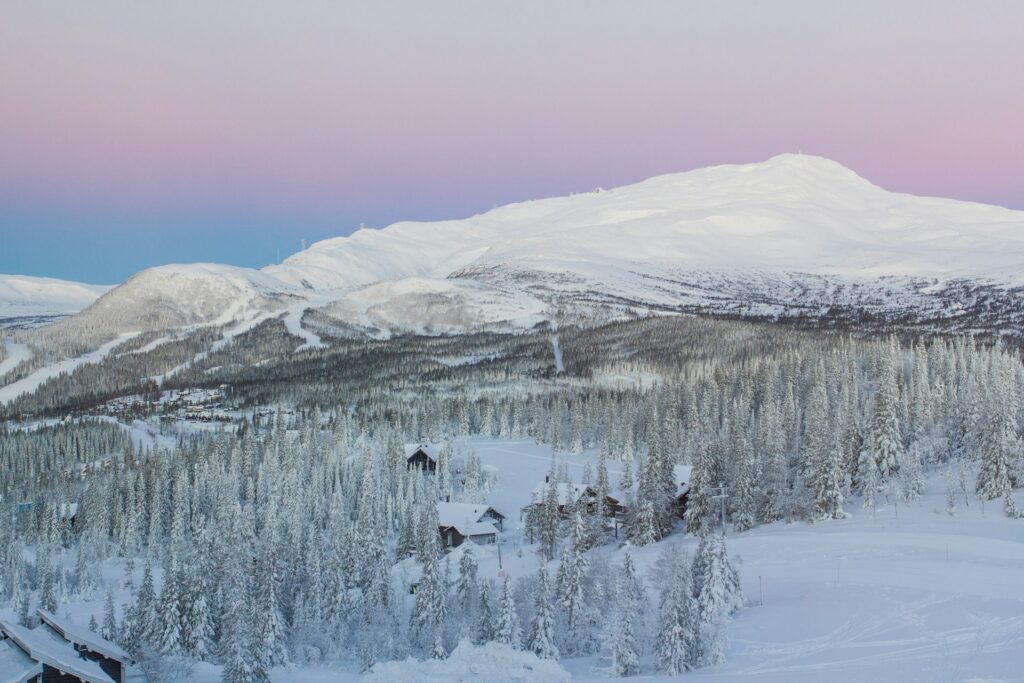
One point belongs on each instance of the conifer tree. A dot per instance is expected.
(507, 628)
(542, 628)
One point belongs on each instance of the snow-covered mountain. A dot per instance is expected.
(792, 235)
(22, 296)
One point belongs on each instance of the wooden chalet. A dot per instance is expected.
(55, 659)
(422, 456)
(110, 656)
(567, 494)
(461, 522)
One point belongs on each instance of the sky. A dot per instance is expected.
(139, 133)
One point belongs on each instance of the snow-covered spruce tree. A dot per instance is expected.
(507, 629)
(622, 643)
(700, 508)
(548, 520)
(716, 580)
(676, 641)
(168, 634)
(198, 633)
(485, 630)
(883, 445)
(467, 588)
(541, 640)
(430, 610)
(743, 512)
(238, 649)
(108, 629)
(144, 623)
(268, 621)
(572, 584)
(999, 447)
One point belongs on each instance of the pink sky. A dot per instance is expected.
(336, 113)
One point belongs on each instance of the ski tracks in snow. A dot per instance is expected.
(863, 641)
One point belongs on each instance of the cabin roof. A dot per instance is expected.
(45, 646)
(15, 665)
(683, 474)
(433, 451)
(565, 492)
(454, 514)
(473, 528)
(80, 635)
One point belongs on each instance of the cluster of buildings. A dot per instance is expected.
(480, 523)
(58, 651)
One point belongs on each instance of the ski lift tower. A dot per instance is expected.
(721, 495)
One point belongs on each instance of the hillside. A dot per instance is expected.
(24, 296)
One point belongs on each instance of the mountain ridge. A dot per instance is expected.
(682, 241)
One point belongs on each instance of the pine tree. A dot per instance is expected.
(716, 580)
(109, 627)
(623, 646)
(507, 629)
(430, 610)
(884, 441)
(542, 628)
(485, 631)
(270, 637)
(675, 645)
(999, 445)
(467, 588)
(167, 637)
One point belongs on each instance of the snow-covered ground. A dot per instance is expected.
(26, 296)
(907, 594)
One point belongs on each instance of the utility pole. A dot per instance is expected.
(721, 496)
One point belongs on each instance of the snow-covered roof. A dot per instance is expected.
(45, 646)
(456, 514)
(433, 451)
(563, 491)
(485, 528)
(15, 665)
(80, 635)
(682, 475)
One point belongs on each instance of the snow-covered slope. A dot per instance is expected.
(792, 233)
(25, 296)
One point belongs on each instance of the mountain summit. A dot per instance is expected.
(795, 232)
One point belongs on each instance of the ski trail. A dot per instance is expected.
(36, 379)
(16, 353)
(559, 367)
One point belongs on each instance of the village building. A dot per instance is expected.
(459, 522)
(110, 656)
(422, 456)
(55, 658)
(570, 494)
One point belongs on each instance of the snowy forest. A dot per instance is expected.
(299, 535)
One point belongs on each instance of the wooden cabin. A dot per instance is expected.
(422, 456)
(573, 494)
(111, 658)
(461, 522)
(55, 659)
